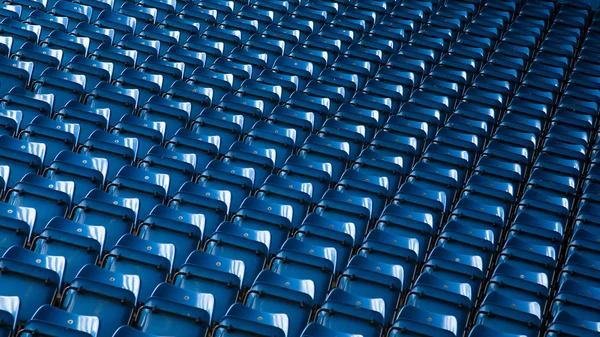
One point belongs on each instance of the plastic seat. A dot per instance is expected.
(250, 157)
(57, 136)
(120, 101)
(510, 315)
(17, 225)
(161, 313)
(121, 24)
(151, 261)
(121, 58)
(347, 207)
(147, 133)
(281, 140)
(79, 244)
(341, 312)
(64, 86)
(321, 150)
(96, 36)
(93, 70)
(259, 215)
(148, 187)
(317, 330)
(21, 33)
(240, 243)
(117, 215)
(24, 270)
(53, 322)
(198, 96)
(298, 196)
(226, 127)
(251, 110)
(30, 104)
(301, 170)
(119, 151)
(22, 157)
(413, 321)
(146, 84)
(300, 260)
(179, 166)
(48, 197)
(110, 296)
(87, 172)
(274, 293)
(289, 118)
(10, 121)
(221, 176)
(166, 225)
(210, 274)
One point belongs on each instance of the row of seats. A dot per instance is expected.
(335, 148)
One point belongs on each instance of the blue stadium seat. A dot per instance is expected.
(120, 101)
(304, 261)
(17, 225)
(250, 321)
(297, 195)
(24, 270)
(148, 187)
(259, 215)
(175, 114)
(119, 151)
(9, 310)
(237, 180)
(350, 313)
(248, 157)
(64, 86)
(87, 172)
(57, 136)
(79, 244)
(175, 311)
(116, 214)
(51, 321)
(110, 296)
(147, 133)
(240, 243)
(227, 128)
(151, 261)
(30, 104)
(274, 293)
(22, 157)
(210, 274)
(48, 197)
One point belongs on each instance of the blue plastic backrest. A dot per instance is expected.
(270, 277)
(166, 250)
(317, 330)
(524, 306)
(67, 187)
(139, 174)
(299, 161)
(343, 227)
(37, 149)
(113, 279)
(353, 200)
(44, 121)
(287, 183)
(256, 204)
(15, 115)
(260, 151)
(97, 233)
(263, 237)
(373, 304)
(9, 310)
(376, 180)
(362, 262)
(219, 263)
(155, 125)
(185, 297)
(194, 219)
(106, 137)
(92, 163)
(99, 195)
(26, 214)
(295, 245)
(53, 72)
(111, 89)
(221, 195)
(54, 263)
(506, 269)
(232, 169)
(239, 310)
(67, 320)
(127, 331)
(441, 321)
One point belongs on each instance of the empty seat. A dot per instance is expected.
(16, 225)
(216, 275)
(148, 187)
(79, 244)
(54, 322)
(24, 270)
(250, 321)
(151, 261)
(176, 312)
(110, 296)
